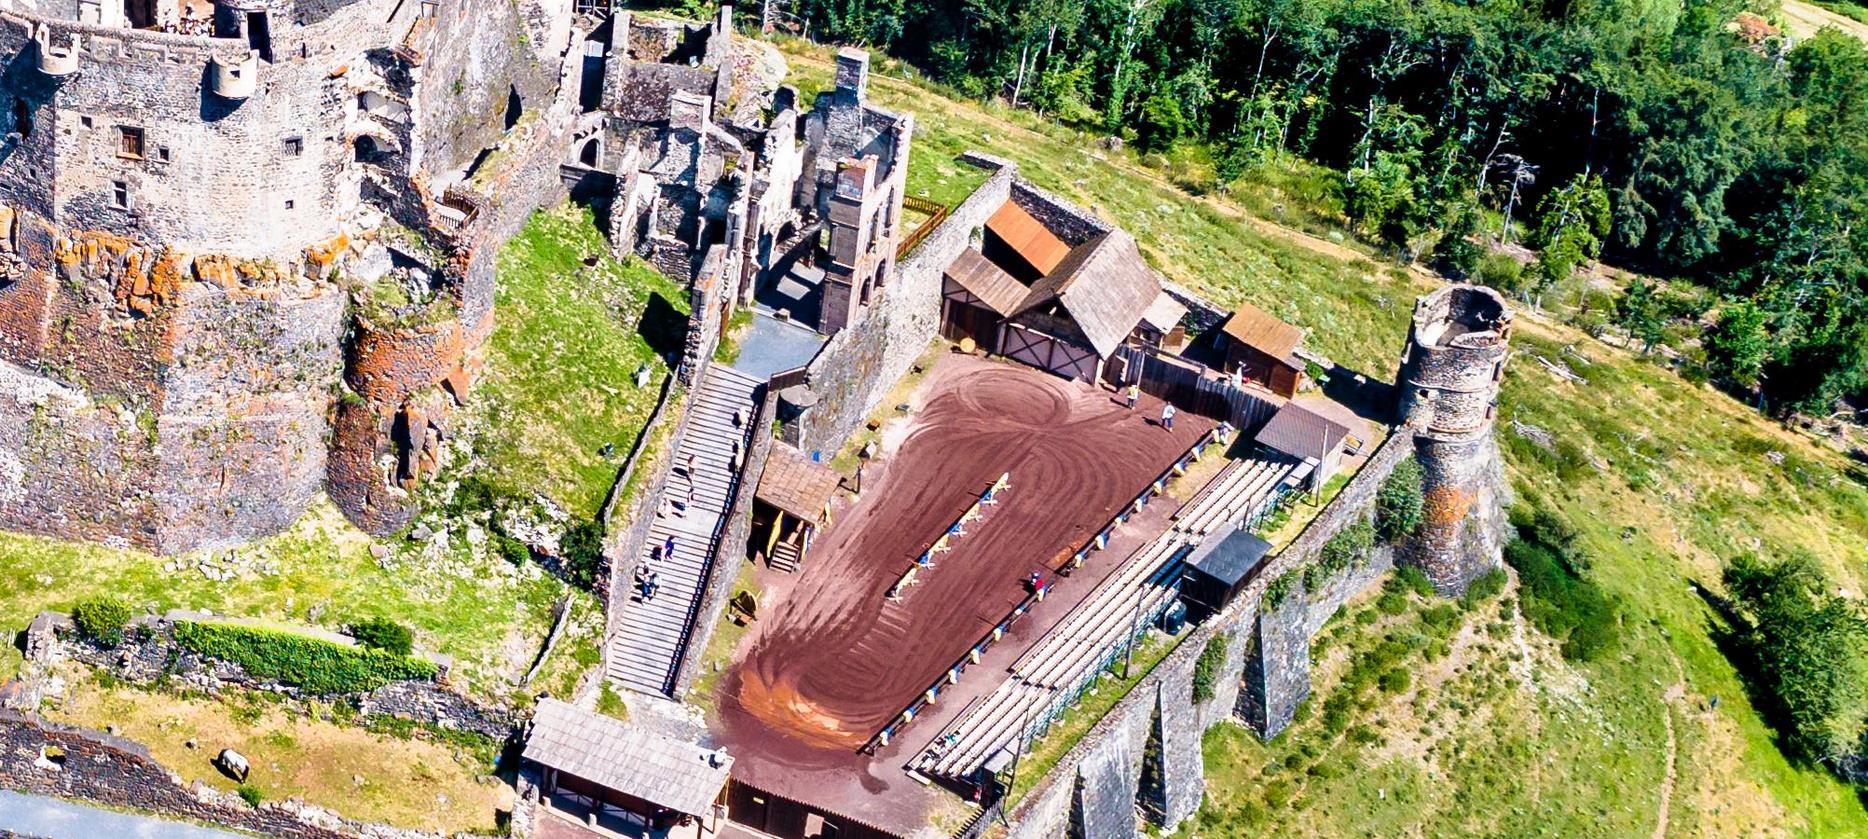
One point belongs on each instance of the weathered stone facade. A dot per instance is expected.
(184, 217)
(1450, 375)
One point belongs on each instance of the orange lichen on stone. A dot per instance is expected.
(1447, 506)
(320, 259)
(230, 273)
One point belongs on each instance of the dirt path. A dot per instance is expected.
(1804, 20)
(1674, 695)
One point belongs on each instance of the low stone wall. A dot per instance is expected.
(44, 758)
(1098, 783)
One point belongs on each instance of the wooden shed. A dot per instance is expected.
(621, 777)
(1261, 348)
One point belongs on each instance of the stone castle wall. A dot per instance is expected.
(172, 304)
(1082, 790)
(856, 367)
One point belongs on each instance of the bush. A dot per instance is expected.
(1349, 546)
(1398, 503)
(1206, 668)
(313, 664)
(1279, 589)
(1561, 602)
(1500, 272)
(582, 553)
(1488, 585)
(1413, 579)
(250, 794)
(1396, 680)
(383, 634)
(102, 620)
(1391, 602)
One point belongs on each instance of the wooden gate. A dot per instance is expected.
(1047, 353)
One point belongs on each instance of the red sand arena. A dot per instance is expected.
(832, 660)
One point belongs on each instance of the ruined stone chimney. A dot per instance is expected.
(689, 112)
(853, 72)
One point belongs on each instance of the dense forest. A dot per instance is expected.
(1689, 140)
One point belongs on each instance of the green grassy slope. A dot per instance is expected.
(564, 350)
(1664, 479)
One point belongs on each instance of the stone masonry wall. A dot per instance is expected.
(857, 366)
(1047, 810)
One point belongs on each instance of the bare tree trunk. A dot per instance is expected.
(1018, 86)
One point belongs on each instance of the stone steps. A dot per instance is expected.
(651, 635)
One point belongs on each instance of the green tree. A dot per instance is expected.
(1572, 223)
(1809, 649)
(1161, 123)
(1640, 311)
(1737, 345)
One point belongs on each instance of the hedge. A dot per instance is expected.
(313, 664)
(102, 620)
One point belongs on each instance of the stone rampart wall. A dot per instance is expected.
(857, 366)
(1078, 790)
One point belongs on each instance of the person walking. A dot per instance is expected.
(1135, 395)
(668, 548)
(1167, 416)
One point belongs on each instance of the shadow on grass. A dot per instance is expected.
(663, 326)
(1727, 629)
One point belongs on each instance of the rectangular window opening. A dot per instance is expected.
(120, 194)
(129, 141)
(294, 147)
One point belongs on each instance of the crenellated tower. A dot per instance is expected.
(1450, 374)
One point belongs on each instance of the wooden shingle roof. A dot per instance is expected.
(791, 482)
(1029, 237)
(632, 760)
(1001, 292)
(1104, 285)
(1262, 331)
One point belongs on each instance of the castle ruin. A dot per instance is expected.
(1450, 374)
(247, 246)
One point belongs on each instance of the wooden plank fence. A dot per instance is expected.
(1192, 387)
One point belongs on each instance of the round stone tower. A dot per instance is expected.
(1450, 374)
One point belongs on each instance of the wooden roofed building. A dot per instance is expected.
(791, 504)
(1308, 436)
(1258, 347)
(622, 778)
(1051, 286)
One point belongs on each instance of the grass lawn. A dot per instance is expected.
(489, 615)
(561, 362)
(418, 783)
(1665, 480)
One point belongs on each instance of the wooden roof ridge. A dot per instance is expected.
(1104, 284)
(662, 770)
(1000, 291)
(793, 483)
